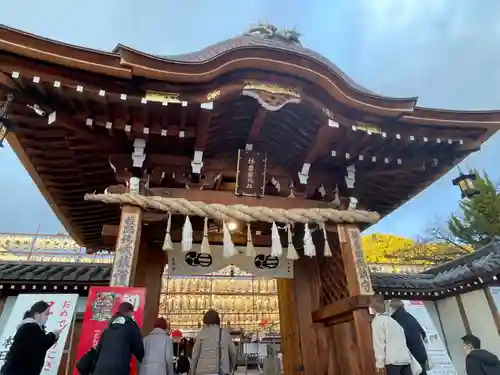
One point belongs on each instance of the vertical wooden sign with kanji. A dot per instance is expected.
(127, 246)
(356, 268)
(251, 173)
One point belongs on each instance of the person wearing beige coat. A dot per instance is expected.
(214, 352)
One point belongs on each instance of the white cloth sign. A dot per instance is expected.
(436, 350)
(62, 311)
(194, 263)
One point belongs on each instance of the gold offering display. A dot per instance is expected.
(245, 302)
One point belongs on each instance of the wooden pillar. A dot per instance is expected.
(345, 319)
(302, 343)
(150, 266)
(127, 247)
(306, 289)
(138, 264)
(289, 329)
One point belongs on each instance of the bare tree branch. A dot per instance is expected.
(438, 232)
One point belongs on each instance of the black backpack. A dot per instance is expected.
(86, 364)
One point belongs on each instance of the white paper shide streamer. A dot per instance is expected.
(187, 236)
(167, 242)
(250, 249)
(327, 251)
(309, 249)
(291, 253)
(228, 246)
(205, 245)
(276, 249)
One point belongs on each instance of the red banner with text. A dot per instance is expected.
(102, 304)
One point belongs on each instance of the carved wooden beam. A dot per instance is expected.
(320, 146)
(257, 124)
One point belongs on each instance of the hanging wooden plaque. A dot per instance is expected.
(251, 173)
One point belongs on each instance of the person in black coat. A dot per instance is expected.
(183, 365)
(414, 333)
(479, 361)
(118, 343)
(26, 355)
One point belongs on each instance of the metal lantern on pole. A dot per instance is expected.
(5, 124)
(466, 184)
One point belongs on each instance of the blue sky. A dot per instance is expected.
(444, 51)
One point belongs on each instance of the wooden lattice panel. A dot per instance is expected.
(332, 276)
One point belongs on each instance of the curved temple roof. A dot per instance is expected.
(251, 50)
(77, 158)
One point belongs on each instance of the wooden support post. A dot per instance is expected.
(356, 269)
(138, 264)
(345, 319)
(359, 284)
(150, 266)
(289, 329)
(127, 247)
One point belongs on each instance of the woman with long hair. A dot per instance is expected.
(214, 352)
(26, 356)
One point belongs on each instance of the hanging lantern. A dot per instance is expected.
(5, 124)
(466, 184)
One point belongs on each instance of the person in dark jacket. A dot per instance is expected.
(26, 355)
(414, 333)
(183, 365)
(118, 343)
(479, 361)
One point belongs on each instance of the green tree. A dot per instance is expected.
(479, 221)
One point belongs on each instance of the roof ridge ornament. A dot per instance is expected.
(266, 30)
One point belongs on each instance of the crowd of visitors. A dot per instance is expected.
(398, 345)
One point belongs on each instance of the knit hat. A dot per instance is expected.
(161, 323)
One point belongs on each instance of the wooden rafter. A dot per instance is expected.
(257, 124)
(202, 129)
(321, 144)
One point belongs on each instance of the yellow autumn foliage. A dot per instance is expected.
(389, 248)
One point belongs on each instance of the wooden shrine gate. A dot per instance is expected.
(257, 130)
(325, 324)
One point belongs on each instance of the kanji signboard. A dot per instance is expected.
(251, 173)
(126, 247)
